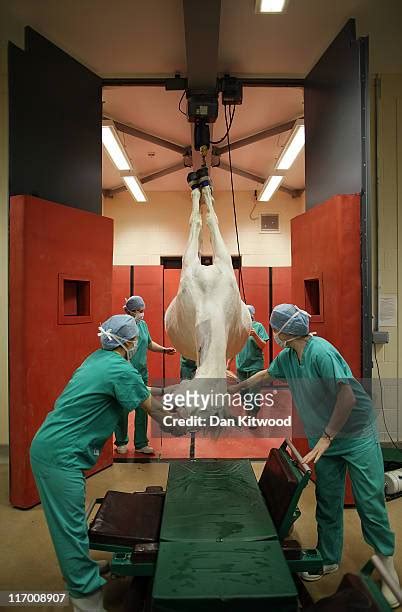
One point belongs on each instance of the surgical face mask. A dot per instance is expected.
(130, 352)
(279, 341)
(284, 343)
(139, 316)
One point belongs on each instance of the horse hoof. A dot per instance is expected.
(203, 178)
(192, 180)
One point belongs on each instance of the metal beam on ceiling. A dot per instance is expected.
(267, 133)
(161, 142)
(201, 29)
(179, 83)
(240, 172)
(163, 172)
(109, 193)
(295, 193)
(270, 81)
(136, 81)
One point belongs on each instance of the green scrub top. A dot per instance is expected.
(314, 384)
(88, 410)
(251, 358)
(187, 363)
(188, 368)
(139, 361)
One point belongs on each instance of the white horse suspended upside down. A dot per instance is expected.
(207, 321)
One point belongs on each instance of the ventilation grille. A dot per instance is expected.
(269, 223)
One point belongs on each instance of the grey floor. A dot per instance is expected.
(28, 562)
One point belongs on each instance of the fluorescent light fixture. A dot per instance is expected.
(270, 186)
(292, 148)
(134, 186)
(113, 146)
(270, 6)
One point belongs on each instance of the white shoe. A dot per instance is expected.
(147, 450)
(122, 449)
(92, 603)
(327, 569)
(389, 596)
(386, 591)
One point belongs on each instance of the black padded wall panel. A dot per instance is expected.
(333, 111)
(55, 118)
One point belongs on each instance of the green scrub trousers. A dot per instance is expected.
(139, 362)
(62, 493)
(140, 425)
(364, 463)
(314, 384)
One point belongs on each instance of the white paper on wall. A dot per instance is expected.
(388, 310)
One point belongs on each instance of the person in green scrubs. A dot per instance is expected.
(250, 360)
(135, 307)
(339, 421)
(188, 368)
(70, 441)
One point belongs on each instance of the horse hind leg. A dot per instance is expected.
(192, 248)
(218, 245)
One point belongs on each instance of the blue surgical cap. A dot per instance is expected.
(135, 302)
(251, 309)
(117, 327)
(290, 320)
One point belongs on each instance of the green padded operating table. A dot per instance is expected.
(215, 500)
(219, 550)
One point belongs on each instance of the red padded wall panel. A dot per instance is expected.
(49, 242)
(281, 294)
(256, 286)
(148, 283)
(326, 247)
(171, 279)
(120, 288)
